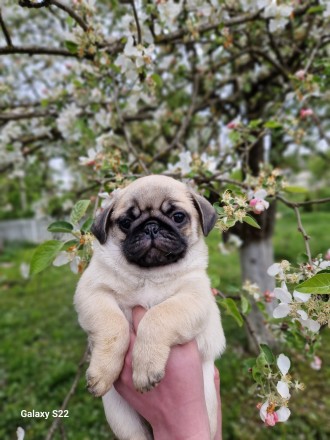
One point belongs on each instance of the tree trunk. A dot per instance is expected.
(256, 257)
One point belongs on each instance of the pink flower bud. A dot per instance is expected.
(317, 363)
(305, 112)
(300, 74)
(268, 295)
(327, 255)
(232, 124)
(257, 205)
(271, 419)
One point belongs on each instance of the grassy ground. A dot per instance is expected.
(41, 345)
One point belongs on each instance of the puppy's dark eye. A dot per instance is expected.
(125, 224)
(179, 217)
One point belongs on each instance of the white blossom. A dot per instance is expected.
(66, 122)
(24, 270)
(184, 164)
(282, 414)
(169, 11)
(92, 154)
(65, 257)
(20, 433)
(283, 363)
(283, 389)
(279, 15)
(210, 162)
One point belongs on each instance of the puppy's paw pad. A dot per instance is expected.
(146, 382)
(96, 384)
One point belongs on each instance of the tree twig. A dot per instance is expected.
(126, 134)
(185, 123)
(57, 421)
(247, 323)
(138, 27)
(5, 31)
(304, 234)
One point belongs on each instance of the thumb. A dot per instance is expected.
(137, 314)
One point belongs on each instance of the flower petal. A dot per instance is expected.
(274, 269)
(302, 297)
(263, 411)
(283, 363)
(283, 414)
(302, 314)
(283, 389)
(61, 259)
(281, 311)
(283, 295)
(312, 325)
(74, 265)
(260, 194)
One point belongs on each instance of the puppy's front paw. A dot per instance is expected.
(101, 374)
(149, 363)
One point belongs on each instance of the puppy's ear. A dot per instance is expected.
(207, 214)
(101, 223)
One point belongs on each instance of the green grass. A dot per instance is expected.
(41, 345)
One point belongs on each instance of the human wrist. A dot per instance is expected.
(183, 424)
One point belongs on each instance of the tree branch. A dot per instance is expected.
(37, 50)
(185, 123)
(295, 206)
(170, 38)
(72, 14)
(33, 5)
(5, 31)
(17, 116)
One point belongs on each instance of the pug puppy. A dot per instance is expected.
(150, 251)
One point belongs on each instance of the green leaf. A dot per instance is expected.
(295, 189)
(251, 221)
(256, 374)
(319, 284)
(231, 309)
(261, 361)
(44, 255)
(79, 210)
(268, 353)
(60, 226)
(302, 258)
(71, 46)
(273, 124)
(315, 10)
(68, 244)
(87, 225)
(218, 208)
(245, 305)
(157, 79)
(255, 123)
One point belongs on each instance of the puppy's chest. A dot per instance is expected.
(145, 294)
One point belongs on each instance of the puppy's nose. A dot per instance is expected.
(151, 229)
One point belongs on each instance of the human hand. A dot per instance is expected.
(176, 408)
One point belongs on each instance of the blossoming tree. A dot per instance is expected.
(217, 92)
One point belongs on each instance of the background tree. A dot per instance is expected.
(221, 93)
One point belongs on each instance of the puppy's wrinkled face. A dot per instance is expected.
(154, 235)
(154, 221)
